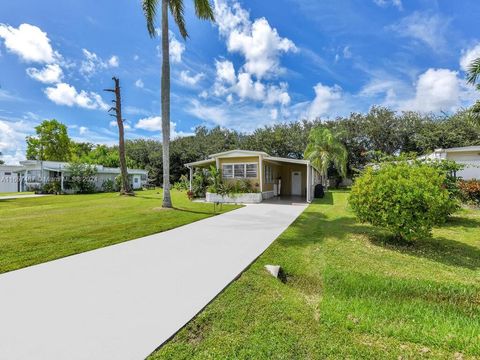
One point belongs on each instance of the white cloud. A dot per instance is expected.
(12, 139)
(468, 56)
(176, 49)
(29, 42)
(426, 28)
(278, 94)
(384, 3)
(154, 123)
(439, 90)
(225, 71)
(246, 88)
(151, 123)
(347, 53)
(139, 83)
(114, 61)
(82, 130)
(325, 96)
(50, 74)
(190, 80)
(258, 42)
(65, 94)
(94, 63)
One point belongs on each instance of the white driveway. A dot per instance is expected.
(20, 196)
(123, 301)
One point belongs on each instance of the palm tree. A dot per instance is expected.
(203, 10)
(472, 77)
(323, 149)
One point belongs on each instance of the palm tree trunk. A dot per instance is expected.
(121, 140)
(165, 94)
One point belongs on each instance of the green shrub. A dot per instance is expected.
(52, 187)
(408, 199)
(110, 186)
(470, 191)
(183, 184)
(199, 183)
(81, 178)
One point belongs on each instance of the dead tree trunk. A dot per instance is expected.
(125, 187)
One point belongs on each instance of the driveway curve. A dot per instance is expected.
(123, 301)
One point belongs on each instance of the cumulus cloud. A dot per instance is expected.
(325, 96)
(139, 83)
(29, 42)
(93, 63)
(257, 41)
(439, 90)
(424, 27)
(468, 56)
(225, 71)
(66, 94)
(12, 139)
(50, 74)
(154, 123)
(189, 80)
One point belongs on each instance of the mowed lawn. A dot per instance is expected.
(35, 230)
(350, 292)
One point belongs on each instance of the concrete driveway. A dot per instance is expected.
(123, 301)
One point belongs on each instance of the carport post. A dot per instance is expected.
(190, 168)
(309, 175)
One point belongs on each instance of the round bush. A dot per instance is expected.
(406, 198)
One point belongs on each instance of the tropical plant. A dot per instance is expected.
(203, 10)
(472, 78)
(404, 197)
(199, 183)
(183, 184)
(81, 178)
(324, 149)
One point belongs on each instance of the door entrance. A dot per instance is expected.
(296, 183)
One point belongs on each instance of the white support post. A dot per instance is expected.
(309, 174)
(260, 172)
(191, 176)
(61, 181)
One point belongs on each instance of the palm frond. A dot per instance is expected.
(204, 10)
(150, 12)
(177, 10)
(473, 71)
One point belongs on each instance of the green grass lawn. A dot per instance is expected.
(349, 293)
(17, 193)
(36, 230)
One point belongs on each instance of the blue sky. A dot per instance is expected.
(261, 63)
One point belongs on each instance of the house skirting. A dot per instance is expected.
(248, 198)
(268, 194)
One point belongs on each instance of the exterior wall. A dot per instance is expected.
(9, 181)
(248, 198)
(276, 173)
(471, 160)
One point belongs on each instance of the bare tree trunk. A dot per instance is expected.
(125, 187)
(165, 90)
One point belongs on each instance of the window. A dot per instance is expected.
(239, 171)
(227, 171)
(135, 180)
(8, 173)
(268, 174)
(251, 171)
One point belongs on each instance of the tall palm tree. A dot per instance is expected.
(203, 10)
(472, 77)
(323, 149)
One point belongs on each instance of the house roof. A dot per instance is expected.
(245, 153)
(460, 149)
(63, 166)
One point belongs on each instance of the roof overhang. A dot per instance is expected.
(200, 162)
(287, 160)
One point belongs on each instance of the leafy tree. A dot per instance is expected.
(81, 177)
(203, 10)
(51, 142)
(324, 149)
(80, 149)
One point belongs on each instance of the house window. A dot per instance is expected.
(135, 180)
(8, 173)
(251, 170)
(268, 174)
(239, 171)
(227, 171)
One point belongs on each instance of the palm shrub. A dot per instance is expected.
(407, 199)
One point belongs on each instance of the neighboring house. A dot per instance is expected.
(9, 178)
(272, 176)
(33, 173)
(469, 156)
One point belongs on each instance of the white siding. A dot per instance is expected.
(471, 160)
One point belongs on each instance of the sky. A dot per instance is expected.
(260, 63)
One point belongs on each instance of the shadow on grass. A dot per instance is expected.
(314, 227)
(326, 200)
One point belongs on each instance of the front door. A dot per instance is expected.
(296, 183)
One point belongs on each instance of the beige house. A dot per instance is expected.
(272, 176)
